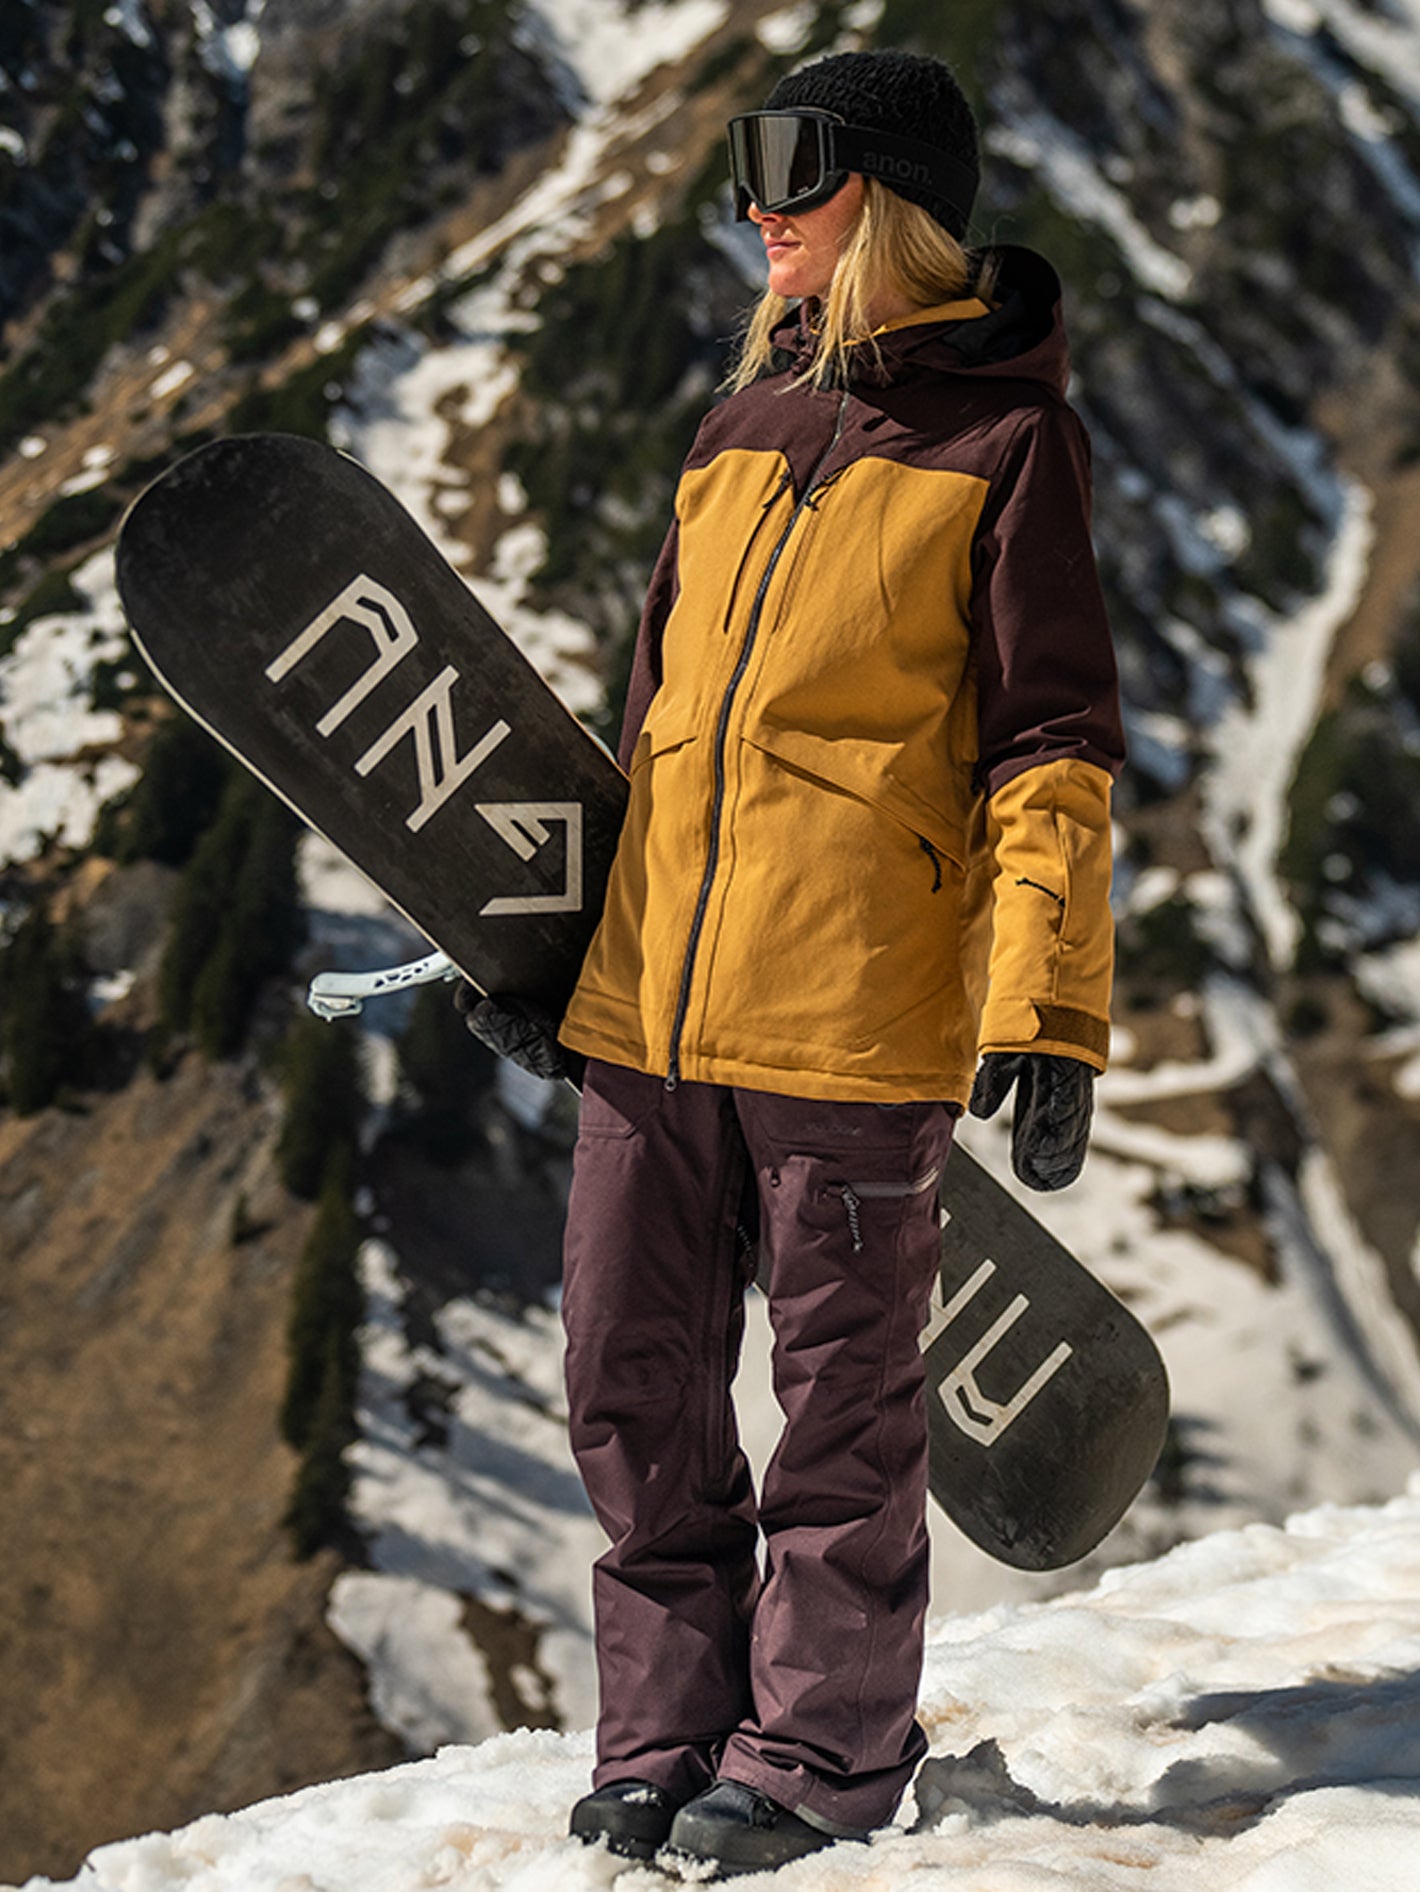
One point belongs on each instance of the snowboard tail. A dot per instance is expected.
(1048, 1402)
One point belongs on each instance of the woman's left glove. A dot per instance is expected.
(1055, 1101)
(517, 1029)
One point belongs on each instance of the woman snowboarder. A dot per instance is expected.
(871, 732)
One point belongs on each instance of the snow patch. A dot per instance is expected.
(1384, 38)
(497, 1513)
(428, 1682)
(1391, 979)
(1256, 744)
(1037, 142)
(787, 31)
(130, 18)
(1195, 213)
(49, 726)
(228, 50)
(610, 50)
(171, 380)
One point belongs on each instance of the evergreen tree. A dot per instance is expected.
(222, 995)
(327, 1306)
(324, 1103)
(449, 1070)
(45, 1031)
(200, 909)
(176, 800)
(262, 928)
(318, 1412)
(236, 921)
(316, 1514)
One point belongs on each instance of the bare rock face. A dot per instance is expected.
(174, 1655)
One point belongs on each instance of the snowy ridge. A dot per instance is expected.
(1241, 1715)
(1383, 39)
(1382, 44)
(1255, 745)
(1037, 142)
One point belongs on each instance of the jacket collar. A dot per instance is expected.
(1022, 337)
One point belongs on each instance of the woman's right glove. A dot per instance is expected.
(519, 1030)
(1055, 1101)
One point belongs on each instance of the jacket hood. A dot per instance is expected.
(1021, 339)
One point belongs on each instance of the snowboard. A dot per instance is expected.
(290, 605)
(288, 602)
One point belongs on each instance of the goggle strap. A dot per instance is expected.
(897, 161)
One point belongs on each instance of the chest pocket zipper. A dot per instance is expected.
(785, 481)
(814, 499)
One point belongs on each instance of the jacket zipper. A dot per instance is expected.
(722, 729)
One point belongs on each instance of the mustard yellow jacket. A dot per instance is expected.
(871, 732)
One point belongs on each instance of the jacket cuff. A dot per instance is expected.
(1061, 1030)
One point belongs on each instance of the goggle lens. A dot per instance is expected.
(779, 161)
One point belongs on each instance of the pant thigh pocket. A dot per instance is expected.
(856, 1196)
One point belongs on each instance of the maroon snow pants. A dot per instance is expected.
(801, 1679)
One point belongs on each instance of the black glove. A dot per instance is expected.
(1055, 1100)
(517, 1029)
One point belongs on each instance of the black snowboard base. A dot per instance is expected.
(1048, 1402)
(293, 607)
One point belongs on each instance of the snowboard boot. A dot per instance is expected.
(632, 1816)
(736, 1829)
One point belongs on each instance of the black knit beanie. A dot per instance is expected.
(910, 95)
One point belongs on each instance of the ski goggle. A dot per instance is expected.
(795, 160)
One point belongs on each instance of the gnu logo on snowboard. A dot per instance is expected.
(970, 1410)
(428, 721)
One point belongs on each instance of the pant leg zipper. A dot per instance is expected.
(853, 1195)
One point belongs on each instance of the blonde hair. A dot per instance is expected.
(893, 245)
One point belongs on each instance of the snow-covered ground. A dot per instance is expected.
(496, 1511)
(1242, 1715)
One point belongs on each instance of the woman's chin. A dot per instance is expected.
(791, 280)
